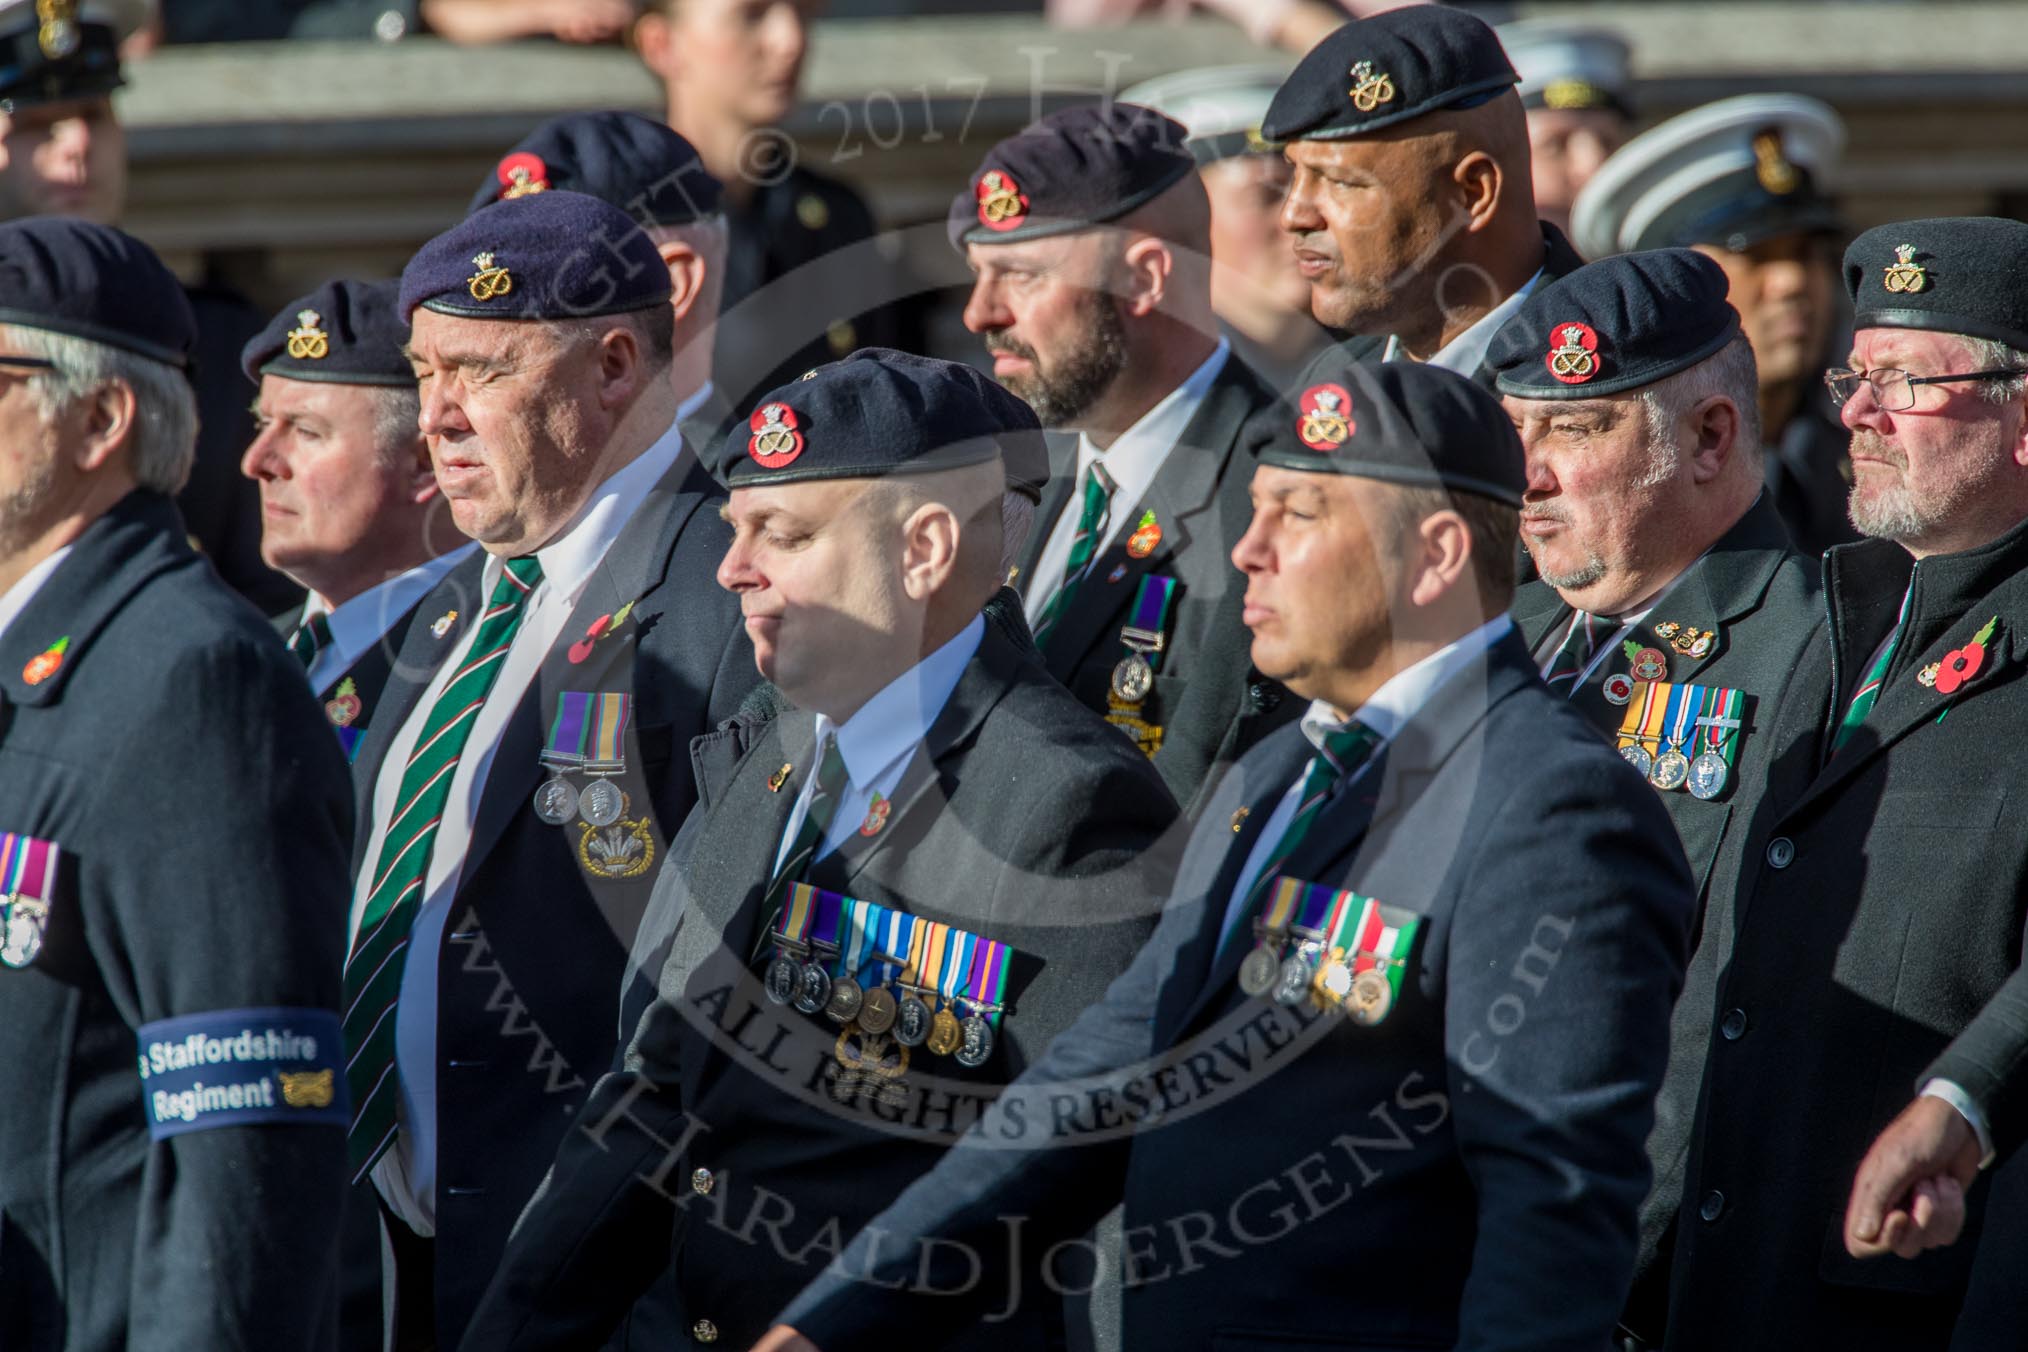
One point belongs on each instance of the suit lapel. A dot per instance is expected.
(1055, 497)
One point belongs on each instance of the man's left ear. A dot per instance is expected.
(1715, 425)
(109, 424)
(1148, 265)
(1445, 556)
(929, 550)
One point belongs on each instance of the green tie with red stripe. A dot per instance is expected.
(373, 971)
(1869, 684)
(1090, 526)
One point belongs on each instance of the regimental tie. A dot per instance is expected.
(816, 820)
(1569, 662)
(1091, 528)
(312, 636)
(373, 971)
(1869, 685)
(1344, 752)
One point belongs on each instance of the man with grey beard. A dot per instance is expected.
(1671, 607)
(1872, 910)
(1089, 234)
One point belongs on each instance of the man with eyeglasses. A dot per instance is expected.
(1878, 904)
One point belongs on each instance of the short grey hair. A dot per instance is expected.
(1990, 355)
(164, 441)
(397, 422)
(1730, 371)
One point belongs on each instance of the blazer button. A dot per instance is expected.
(1713, 1204)
(704, 1331)
(1734, 1026)
(701, 1182)
(1781, 852)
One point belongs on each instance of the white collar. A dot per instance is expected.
(568, 560)
(16, 598)
(1466, 353)
(1388, 710)
(1136, 456)
(888, 726)
(356, 623)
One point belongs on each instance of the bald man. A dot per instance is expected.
(1089, 236)
(1412, 209)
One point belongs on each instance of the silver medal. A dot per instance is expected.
(911, 1022)
(1708, 774)
(1671, 768)
(977, 1048)
(1257, 974)
(813, 989)
(1133, 678)
(1638, 757)
(1293, 986)
(601, 802)
(784, 974)
(555, 802)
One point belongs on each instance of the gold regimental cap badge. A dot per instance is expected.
(1370, 88)
(1904, 275)
(489, 282)
(308, 341)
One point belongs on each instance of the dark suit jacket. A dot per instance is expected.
(1487, 1134)
(1207, 698)
(369, 674)
(1021, 818)
(1558, 260)
(178, 762)
(530, 968)
(1875, 940)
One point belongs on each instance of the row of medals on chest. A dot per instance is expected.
(599, 804)
(1309, 972)
(800, 977)
(1673, 769)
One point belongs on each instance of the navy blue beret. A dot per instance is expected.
(344, 332)
(881, 412)
(92, 281)
(1614, 325)
(641, 166)
(1954, 274)
(555, 255)
(1402, 422)
(1076, 168)
(1399, 64)
(58, 57)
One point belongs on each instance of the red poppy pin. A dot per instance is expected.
(344, 706)
(1960, 665)
(581, 650)
(1002, 205)
(1327, 417)
(1147, 535)
(876, 816)
(522, 174)
(1573, 353)
(46, 663)
(775, 441)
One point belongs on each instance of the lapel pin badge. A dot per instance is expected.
(443, 623)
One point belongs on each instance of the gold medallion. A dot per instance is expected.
(618, 852)
(1370, 998)
(1905, 276)
(489, 282)
(999, 200)
(58, 35)
(306, 1088)
(1370, 90)
(308, 341)
(945, 1035)
(1771, 168)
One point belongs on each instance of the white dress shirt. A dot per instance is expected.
(877, 741)
(364, 620)
(1387, 712)
(16, 598)
(406, 1175)
(1133, 461)
(1466, 353)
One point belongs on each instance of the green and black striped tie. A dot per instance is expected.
(373, 971)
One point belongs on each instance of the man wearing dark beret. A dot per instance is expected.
(654, 175)
(1878, 901)
(900, 892)
(173, 828)
(1741, 181)
(64, 153)
(349, 500)
(528, 760)
(1089, 234)
(1670, 607)
(1383, 1074)
(1412, 209)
